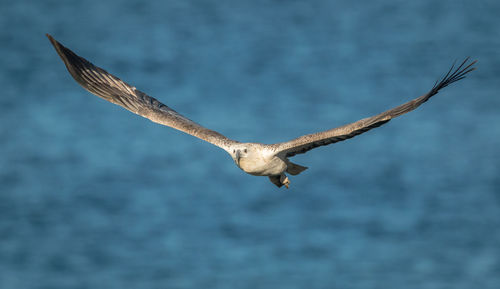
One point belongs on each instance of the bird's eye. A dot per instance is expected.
(245, 150)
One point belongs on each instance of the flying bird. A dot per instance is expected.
(271, 160)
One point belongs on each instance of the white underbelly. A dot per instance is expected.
(259, 167)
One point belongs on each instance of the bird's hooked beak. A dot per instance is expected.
(237, 157)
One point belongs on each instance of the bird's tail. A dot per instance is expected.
(294, 169)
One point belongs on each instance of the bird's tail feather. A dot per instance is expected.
(294, 169)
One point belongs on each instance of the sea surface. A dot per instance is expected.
(93, 196)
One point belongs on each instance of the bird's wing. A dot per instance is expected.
(307, 142)
(109, 87)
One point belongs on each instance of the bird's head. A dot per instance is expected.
(243, 151)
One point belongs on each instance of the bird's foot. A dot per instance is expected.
(285, 181)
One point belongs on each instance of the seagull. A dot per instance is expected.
(271, 160)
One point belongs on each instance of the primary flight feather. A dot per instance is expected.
(253, 158)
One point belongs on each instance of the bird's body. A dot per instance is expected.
(257, 159)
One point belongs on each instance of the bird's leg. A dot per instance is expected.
(280, 180)
(284, 180)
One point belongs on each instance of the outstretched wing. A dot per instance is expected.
(307, 142)
(111, 88)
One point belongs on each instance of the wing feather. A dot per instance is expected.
(109, 87)
(307, 142)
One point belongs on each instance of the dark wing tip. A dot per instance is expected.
(92, 78)
(101, 83)
(58, 46)
(454, 75)
(50, 38)
(69, 58)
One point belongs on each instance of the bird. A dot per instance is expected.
(258, 159)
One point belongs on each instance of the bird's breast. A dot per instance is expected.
(262, 167)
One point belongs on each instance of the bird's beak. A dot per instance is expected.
(237, 157)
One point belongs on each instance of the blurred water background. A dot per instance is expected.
(92, 196)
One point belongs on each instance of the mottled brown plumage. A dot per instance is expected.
(253, 158)
(109, 87)
(307, 142)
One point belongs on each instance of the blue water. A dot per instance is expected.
(92, 196)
